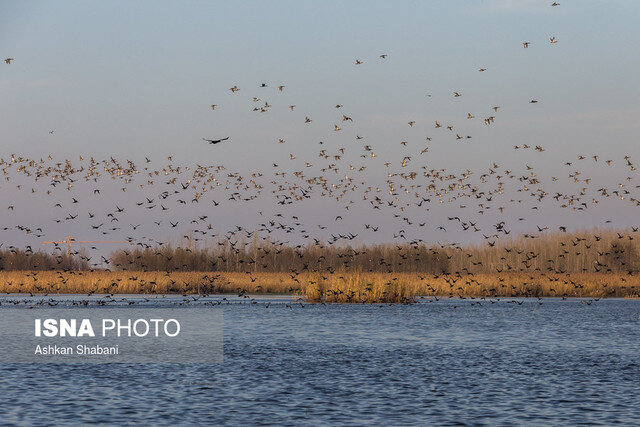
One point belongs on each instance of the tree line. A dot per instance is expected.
(27, 259)
(581, 252)
(591, 251)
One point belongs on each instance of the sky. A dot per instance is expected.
(136, 79)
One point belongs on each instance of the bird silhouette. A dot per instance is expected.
(215, 141)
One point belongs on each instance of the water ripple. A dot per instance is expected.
(564, 363)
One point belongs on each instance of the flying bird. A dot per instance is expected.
(215, 141)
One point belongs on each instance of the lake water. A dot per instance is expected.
(443, 362)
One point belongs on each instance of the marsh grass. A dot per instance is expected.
(348, 287)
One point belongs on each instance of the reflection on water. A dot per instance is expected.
(440, 362)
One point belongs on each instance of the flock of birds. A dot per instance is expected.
(147, 203)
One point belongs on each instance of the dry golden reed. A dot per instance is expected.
(326, 287)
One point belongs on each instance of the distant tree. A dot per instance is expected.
(623, 256)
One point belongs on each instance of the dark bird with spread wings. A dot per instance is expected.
(215, 141)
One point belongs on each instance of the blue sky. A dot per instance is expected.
(135, 79)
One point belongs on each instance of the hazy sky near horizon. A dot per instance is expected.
(135, 79)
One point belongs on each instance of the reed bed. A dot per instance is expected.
(347, 287)
(152, 282)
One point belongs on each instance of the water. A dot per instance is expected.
(444, 362)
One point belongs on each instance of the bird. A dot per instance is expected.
(8, 60)
(215, 141)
